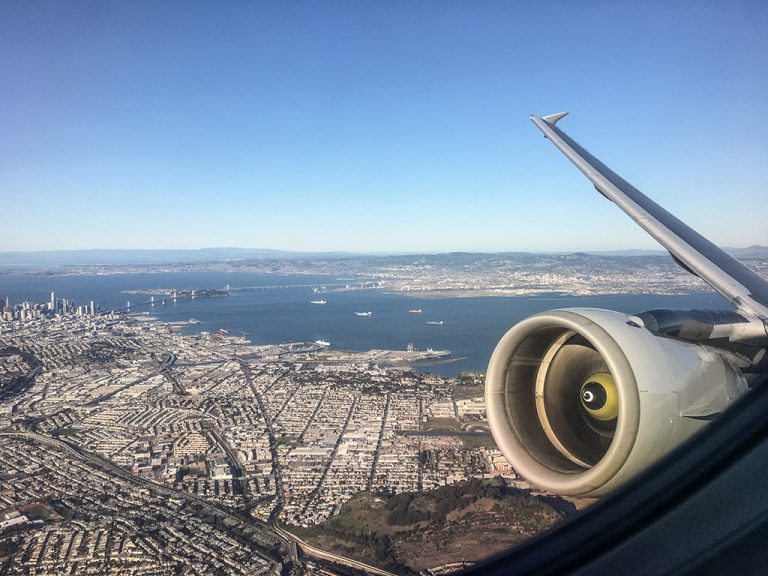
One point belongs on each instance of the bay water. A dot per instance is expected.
(272, 309)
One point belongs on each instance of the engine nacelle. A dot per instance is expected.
(582, 400)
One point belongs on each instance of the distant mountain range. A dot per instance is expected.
(118, 257)
(748, 252)
(102, 257)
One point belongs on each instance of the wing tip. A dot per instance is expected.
(554, 118)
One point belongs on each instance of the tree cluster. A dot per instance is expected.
(408, 508)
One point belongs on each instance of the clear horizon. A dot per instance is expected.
(659, 248)
(376, 128)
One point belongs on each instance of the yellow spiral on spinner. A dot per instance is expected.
(599, 397)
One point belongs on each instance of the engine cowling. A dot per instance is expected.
(581, 400)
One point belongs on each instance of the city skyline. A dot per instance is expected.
(372, 128)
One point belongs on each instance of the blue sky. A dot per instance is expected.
(386, 126)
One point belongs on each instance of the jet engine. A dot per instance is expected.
(582, 400)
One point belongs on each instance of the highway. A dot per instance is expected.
(272, 442)
(168, 360)
(323, 555)
(233, 456)
(165, 370)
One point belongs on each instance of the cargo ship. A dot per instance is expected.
(363, 313)
(318, 302)
(416, 311)
(436, 322)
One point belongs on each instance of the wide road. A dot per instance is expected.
(322, 554)
(234, 457)
(276, 471)
(168, 360)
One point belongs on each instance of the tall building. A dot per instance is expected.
(53, 302)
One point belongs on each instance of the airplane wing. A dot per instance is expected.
(741, 286)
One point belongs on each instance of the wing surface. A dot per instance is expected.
(741, 286)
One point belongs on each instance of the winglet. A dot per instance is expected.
(554, 118)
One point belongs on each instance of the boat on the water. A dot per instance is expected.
(364, 313)
(416, 311)
(318, 302)
(322, 343)
(435, 322)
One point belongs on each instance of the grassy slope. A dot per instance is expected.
(411, 532)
